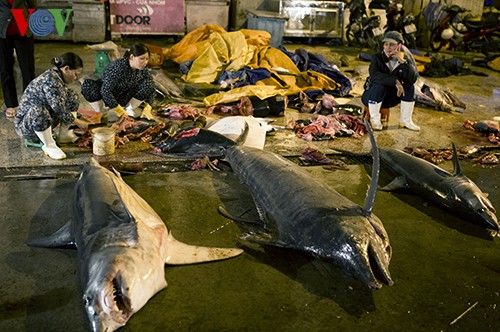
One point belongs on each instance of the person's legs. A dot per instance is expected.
(25, 52)
(66, 135)
(91, 90)
(38, 122)
(50, 147)
(373, 97)
(132, 107)
(406, 109)
(7, 76)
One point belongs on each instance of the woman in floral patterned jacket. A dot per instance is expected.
(48, 102)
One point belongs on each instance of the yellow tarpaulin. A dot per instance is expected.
(193, 44)
(205, 68)
(260, 91)
(215, 50)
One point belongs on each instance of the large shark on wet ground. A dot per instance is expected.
(122, 245)
(455, 192)
(298, 211)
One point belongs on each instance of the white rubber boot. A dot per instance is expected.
(374, 109)
(132, 108)
(98, 106)
(66, 135)
(49, 145)
(405, 119)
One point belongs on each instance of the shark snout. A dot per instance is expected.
(489, 217)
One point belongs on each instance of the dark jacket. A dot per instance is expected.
(6, 15)
(381, 74)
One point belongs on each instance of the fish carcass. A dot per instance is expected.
(198, 142)
(122, 246)
(298, 211)
(455, 192)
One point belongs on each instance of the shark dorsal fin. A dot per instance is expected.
(370, 195)
(457, 170)
(243, 136)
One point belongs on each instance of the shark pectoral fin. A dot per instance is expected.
(248, 222)
(261, 238)
(398, 183)
(179, 253)
(61, 238)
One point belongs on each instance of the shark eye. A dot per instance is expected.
(87, 302)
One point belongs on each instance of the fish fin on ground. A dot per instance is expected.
(399, 182)
(260, 237)
(243, 136)
(372, 191)
(249, 222)
(61, 238)
(457, 170)
(180, 253)
(253, 230)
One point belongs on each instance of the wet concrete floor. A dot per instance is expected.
(442, 266)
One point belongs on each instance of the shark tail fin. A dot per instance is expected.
(372, 191)
(179, 253)
(456, 165)
(61, 238)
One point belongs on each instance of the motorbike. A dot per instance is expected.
(397, 20)
(363, 30)
(468, 35)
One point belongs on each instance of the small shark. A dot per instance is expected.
(455, 192)
(123, 246)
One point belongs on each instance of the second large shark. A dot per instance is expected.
(298, 211)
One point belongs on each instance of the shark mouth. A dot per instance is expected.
(121, 302)
(116, 306)
(379, 271)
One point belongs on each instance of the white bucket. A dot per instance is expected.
(103, 141)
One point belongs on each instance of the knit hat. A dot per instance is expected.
(393, 37)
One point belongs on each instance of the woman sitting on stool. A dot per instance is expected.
(391, 82)
(48, 102)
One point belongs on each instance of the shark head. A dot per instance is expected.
(475, 204)
(371, 253)
(361, 248)
(119, 287)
